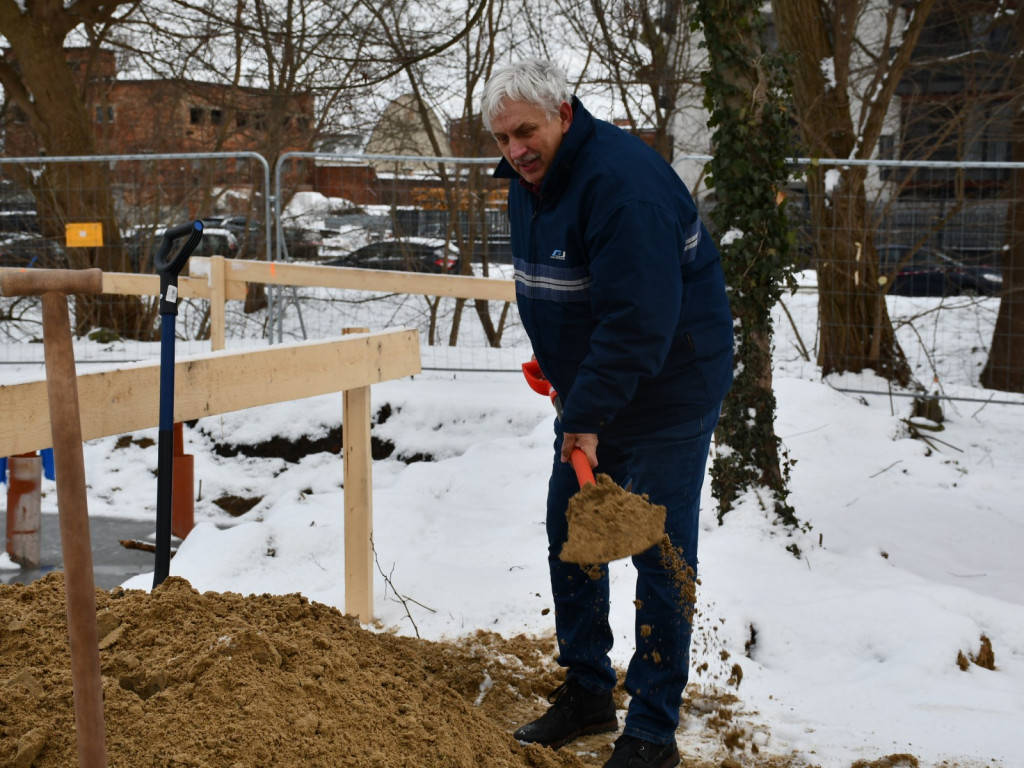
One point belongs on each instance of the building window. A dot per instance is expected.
(195, 115)
(105, 114)
(958, 130)
(241, 119)
(216, 117)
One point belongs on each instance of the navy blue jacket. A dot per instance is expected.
(618, 284)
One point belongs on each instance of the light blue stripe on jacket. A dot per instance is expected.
(539, 281)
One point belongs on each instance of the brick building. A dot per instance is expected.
(176, 116)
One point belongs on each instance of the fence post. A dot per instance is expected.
(24, 509)
(357, 468)
(218, 303)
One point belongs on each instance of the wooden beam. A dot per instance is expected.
(240, 271)
(127, 399)
(128, 284)
(456, 286)
(218, 295)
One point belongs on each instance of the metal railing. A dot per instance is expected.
(319, 208)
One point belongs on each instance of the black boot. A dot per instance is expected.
(574, 712)
(631, 752)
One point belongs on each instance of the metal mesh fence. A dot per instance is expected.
(109, 212)
(398, 212)
(927, 249)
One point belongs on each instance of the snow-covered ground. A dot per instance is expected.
(848, 632)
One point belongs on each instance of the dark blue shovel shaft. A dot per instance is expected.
(165, 452)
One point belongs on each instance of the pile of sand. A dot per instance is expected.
(216, 680)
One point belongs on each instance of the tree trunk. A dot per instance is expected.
(1004, 369)
(37, 77)
(856, 332)
(746, 86)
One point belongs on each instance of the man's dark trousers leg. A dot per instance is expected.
(669, 465)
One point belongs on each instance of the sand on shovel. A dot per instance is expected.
(607, 522)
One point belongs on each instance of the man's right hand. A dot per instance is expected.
(585, 441)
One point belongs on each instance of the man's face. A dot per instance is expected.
(528, 139)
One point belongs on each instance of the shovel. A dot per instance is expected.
(55, 285)
(169, 269)
(606, 522)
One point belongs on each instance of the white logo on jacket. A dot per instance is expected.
(558, 254)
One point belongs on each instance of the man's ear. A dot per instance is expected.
(565, 115)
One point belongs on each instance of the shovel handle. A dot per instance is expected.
(539, 384)
(580, 463)
(33, 282)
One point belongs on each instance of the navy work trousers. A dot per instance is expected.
(667, 464)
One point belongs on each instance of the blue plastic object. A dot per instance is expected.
(49, 469)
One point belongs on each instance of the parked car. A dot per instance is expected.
(249, 234)
(928, 272)
(302, 244)
(411, 254)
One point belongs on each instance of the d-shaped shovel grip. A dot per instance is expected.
(194, 229)
(170, 268)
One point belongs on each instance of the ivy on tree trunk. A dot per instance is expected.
(745, 92)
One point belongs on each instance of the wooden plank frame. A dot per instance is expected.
(127, 400)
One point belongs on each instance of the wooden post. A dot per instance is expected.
(358, 483)
(218, 303)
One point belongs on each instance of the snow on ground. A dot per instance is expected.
(847, 631)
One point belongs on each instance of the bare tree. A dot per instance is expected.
(445, 84)
(641, 55)
(747, 88)
(1004, 368)
(836, 72)
(48, 92)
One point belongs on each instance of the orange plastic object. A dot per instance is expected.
(579, 462)
(182, 485)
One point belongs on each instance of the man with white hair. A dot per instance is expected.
(621, 291)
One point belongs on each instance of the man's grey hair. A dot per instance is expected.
(533, 81)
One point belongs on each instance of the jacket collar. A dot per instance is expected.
(580, 129)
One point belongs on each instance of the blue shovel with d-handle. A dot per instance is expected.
(169, 269)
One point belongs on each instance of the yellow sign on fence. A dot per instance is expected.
(84, 234)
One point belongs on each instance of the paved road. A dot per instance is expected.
(112, 563)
